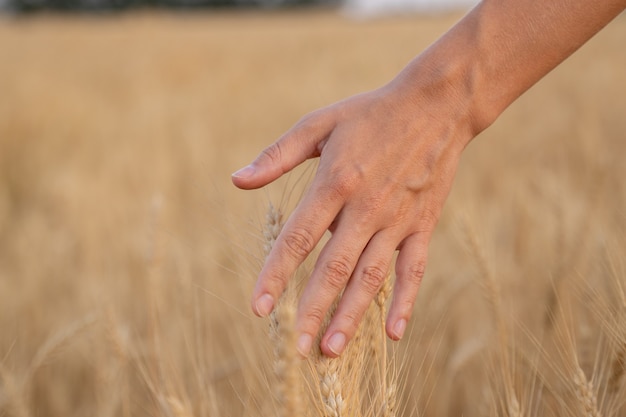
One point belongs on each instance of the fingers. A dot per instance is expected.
(357, 258)
(352, 259)
(297, 145)
(363, 285)
(410, 268)
(300, 234)
(332, 271)
(370, 273)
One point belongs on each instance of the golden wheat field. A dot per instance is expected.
(127, 257)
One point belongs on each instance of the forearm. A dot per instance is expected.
(503, 47)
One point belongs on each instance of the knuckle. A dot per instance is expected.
(299, 243)
(342, 184)
(415, 273)
(277, 282)
(405, 306)
(350, 321)
(305, 126)
(428, 219)
(377, 201)
(372, 208)
(373, 278)
(314, 316)
(308, 119)
(337, 272)
(273, 153)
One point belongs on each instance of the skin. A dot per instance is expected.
(388, 159)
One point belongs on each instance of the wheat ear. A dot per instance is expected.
(388, 388)
(331, 387)
(585, 393)
(330, 374)
(287, 389)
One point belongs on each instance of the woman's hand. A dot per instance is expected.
(388, 158)
(387, 161)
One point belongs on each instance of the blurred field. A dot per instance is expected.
(127, 258)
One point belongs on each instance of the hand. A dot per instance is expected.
(388, 158)
(387, 161)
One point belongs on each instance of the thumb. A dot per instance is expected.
(294, 147)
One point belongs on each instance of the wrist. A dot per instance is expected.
(438, 88)
(452, 74)
(497, 52)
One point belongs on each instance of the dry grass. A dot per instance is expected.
(127, 259)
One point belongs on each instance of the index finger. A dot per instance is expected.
(299, 236)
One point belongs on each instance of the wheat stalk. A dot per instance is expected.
(287, 388)
(618, 368)
(177, 408)
(387, 389)
(493, 294)
(12, 395)
(286, 361)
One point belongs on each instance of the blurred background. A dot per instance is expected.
(127, 257)
(363, 6)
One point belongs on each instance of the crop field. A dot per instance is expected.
(127, 258)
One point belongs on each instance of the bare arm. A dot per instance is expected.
(388, 158)
(503, 47)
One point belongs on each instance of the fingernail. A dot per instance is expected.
(244, 172)
(398, 329)
(264, 305)
(336, 343)
(304, 344)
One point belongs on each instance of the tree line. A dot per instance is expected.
(25, 6)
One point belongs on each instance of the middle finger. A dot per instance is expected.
(331, 273)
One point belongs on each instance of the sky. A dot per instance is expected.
(377, 7)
